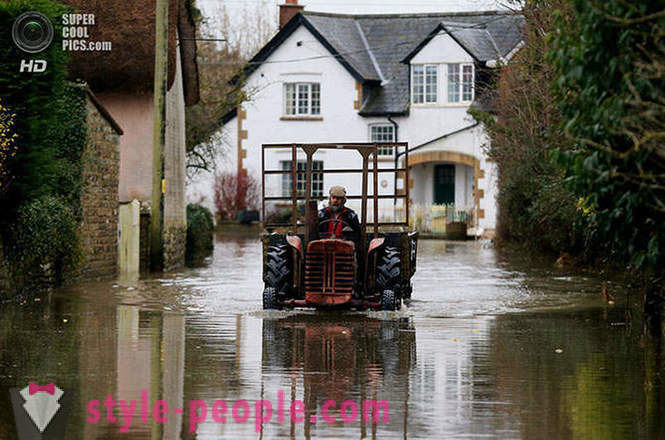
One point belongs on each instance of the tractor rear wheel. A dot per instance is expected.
(388, 274)
(388, 269)
(277, 273)
(270, 299)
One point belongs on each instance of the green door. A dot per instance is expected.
(444, 184)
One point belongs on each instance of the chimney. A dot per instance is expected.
(288, 10)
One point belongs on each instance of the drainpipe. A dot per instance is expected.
(390, 119)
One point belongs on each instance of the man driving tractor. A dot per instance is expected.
(337, 221)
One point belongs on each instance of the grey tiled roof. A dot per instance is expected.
(342, 33)
(375, 49)
(393, 38)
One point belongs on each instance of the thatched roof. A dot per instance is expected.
(130, 27)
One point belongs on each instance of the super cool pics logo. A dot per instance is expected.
(33, 33)
(40, 411)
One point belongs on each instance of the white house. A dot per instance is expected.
(365, 78)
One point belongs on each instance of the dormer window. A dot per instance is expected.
(424, 83)
(460, 82)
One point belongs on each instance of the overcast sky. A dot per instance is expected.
(366, 6)
(244, 13)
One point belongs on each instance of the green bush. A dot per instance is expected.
(42, 205)
(200, 234)
(45, 232)
(609, 58)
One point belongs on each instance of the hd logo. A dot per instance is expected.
(33, 66)
(33, 33)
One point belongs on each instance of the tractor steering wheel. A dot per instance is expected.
(332, 234)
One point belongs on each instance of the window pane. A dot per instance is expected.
(467, 82)
(385, 151)
(303, 99)
(430, 80)
(301, 178)
(316, 99)
(286, 178)
(317, 179)
(418, 84)
(383, 133)
(453, 82)
(290, 99)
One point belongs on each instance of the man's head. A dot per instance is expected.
(337, 198)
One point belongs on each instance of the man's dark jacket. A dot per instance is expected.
(346, 225)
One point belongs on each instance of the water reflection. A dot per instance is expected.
(493, 347)
(148, 359)
(578, 376)
(96, 351)
(342, 358)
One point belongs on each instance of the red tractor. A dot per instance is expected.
(303, 269)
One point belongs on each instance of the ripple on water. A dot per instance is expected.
(492, 346)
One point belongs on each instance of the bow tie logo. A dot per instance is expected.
(34, 388)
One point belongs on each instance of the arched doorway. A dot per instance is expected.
(445, 179)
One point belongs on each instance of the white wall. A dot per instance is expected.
(429, 121)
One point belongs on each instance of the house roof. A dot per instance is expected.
(375, 49)
(129, 65)
(101, 109)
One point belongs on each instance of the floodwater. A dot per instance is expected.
(493, 346)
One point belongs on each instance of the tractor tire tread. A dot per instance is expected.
(389, 301)
(388, 270)
(278, 270)
(270, 299)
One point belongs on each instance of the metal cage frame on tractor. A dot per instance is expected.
(402, 245)
(366, 150)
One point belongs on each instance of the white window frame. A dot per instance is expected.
(464, 92)
(430, 90)
(383, 150)
(301, 179)
(294, 106)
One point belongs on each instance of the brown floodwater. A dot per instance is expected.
(494, 345)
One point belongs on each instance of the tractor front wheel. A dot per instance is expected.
(388, 269)
(388, 276)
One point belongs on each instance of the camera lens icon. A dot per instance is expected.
(32, 32)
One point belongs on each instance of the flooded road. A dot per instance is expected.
(493, 346)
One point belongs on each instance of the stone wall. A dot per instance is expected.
(99, 197)
(175, 241)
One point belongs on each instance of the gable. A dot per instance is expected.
(485, 40)
(442, 48)
(352, 64)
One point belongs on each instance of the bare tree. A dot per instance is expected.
(226, 42)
